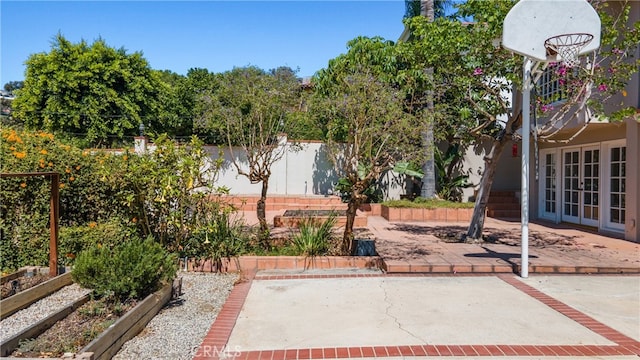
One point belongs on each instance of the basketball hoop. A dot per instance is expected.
(568, 46)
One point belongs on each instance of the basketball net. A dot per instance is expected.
(568, 46)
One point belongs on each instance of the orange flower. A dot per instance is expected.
(71, 255)
(71, 178)
(61, 186)
(78, 167)
(50, 164)
(92, 224)
(23, 185)
(67, 170)
(20, 155)
(134, 220)
(43, 152)
(125, 157)
(12, 148)
(13, 137)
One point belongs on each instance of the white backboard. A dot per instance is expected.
(531, 22)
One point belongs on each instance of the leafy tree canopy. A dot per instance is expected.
(94, 89)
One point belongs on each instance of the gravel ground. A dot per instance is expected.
(178, 329)
(40, 310)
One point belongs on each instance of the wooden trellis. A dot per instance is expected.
(54, 213)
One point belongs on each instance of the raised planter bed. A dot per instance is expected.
(291, 218)
(422, 214)
(27, 297)
(41, 326)
(255, 263)
(107, 344)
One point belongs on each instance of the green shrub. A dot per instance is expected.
(314, 236)
(130, 270)
(74, 239)
(220, 235)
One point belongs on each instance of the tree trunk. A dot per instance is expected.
(491, 164)
(428, 190)
(261, 206)
(348, 240)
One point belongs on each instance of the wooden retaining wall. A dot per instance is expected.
(25, 298)
(125, 328)
(41, 326)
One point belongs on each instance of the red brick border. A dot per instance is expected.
(573, 314)
(214, 343)
(437, 350)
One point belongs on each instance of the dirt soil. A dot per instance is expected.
(416, 245)
(74, 332)
(23, 283)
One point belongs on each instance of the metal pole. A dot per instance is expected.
(524, 195)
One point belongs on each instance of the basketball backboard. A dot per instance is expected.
(531, 22)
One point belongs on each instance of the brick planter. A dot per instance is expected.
(419, 214)
(293, 221)
(255, 263)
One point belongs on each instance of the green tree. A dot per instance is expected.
(366, 130)
(255, 107)
(476, 74)
(93, 89)
(12, 86)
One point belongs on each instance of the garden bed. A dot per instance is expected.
(426, 214)
(95, 330)
(292, 218)
(21, 280)
(25, 298)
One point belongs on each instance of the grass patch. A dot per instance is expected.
(421, 203)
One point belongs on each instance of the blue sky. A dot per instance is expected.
(216, 35)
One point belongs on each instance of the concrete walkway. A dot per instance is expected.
(374, 315)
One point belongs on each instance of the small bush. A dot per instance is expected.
(131, 270)
(314, 236)
(75, 239)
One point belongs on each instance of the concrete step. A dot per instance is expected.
(504, 214)
(504, 206)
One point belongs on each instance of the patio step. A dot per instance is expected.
(279, 202)
(503, 205)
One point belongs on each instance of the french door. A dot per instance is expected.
(581, 185)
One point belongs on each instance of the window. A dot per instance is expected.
(551, 86)
(618, 184)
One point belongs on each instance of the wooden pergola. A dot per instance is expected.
(54, 213)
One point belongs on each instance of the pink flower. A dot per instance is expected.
(562, 81)
(602, 87)
(546, 108)
(477, 71)
(617, 51)
(562, 70)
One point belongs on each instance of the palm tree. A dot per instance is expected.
(429, 9)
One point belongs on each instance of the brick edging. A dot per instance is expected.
(215, 341)
(436, 350)
(578, 316)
